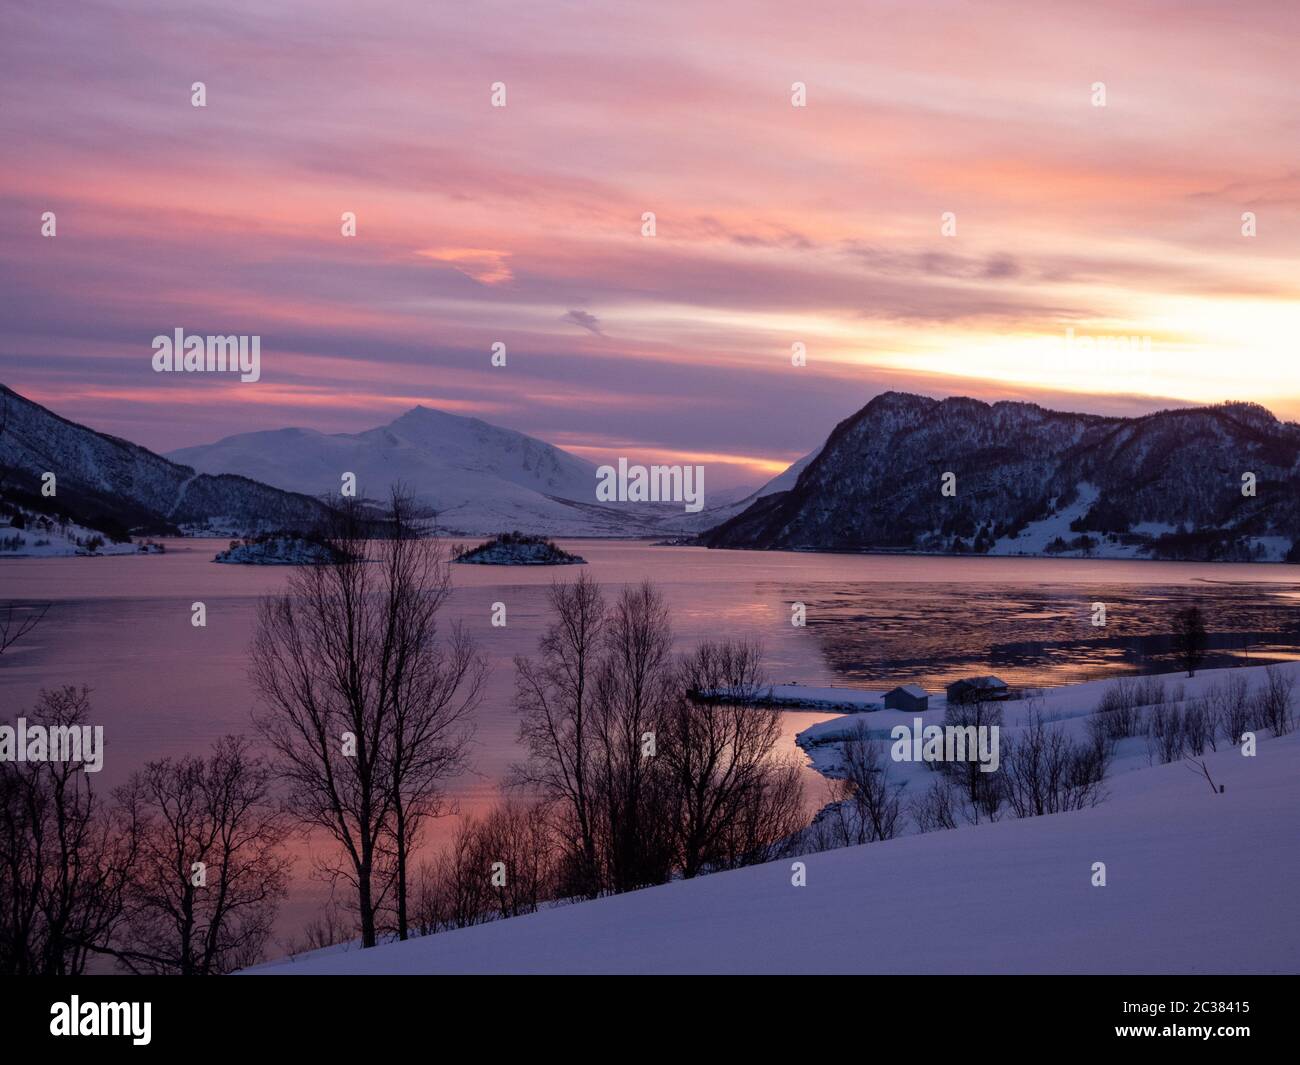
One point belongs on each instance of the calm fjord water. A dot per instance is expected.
(121, 626)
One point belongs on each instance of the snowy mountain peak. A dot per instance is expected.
(481, 479)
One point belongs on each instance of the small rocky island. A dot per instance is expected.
(279, 549)
(515, 549)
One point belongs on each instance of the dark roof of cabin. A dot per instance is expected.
(979, 682)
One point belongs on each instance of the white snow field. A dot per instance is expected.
(1196, 882)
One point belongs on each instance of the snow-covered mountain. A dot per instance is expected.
(115, 487)
(480, 478)
(1204, 483)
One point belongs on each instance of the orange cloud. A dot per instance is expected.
(482, 265)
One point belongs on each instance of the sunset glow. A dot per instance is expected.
(1075, 224)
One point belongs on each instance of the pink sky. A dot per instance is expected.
(522, 224)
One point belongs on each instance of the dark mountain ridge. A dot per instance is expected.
(115, 486)
(1163, 485)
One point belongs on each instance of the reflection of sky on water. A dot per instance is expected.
(886, 633)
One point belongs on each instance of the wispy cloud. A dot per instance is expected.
(776, 224)
(484, 266)
(584, 320)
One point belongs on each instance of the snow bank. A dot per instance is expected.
(49, 539)
(799, 697)
(1067, 708)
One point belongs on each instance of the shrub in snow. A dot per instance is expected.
(1198, 727)
(1273, 701)
(1165, 738)
(1233, 709)
(502, 865)
(866, 804)
(981, 792)
(1149, 691)
(1046, 772)
(1117, 713)
(936, 809)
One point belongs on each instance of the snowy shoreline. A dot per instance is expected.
(1124, 555)
(1068, 707)
(795, 697)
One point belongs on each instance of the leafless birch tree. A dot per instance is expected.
(209, 868)
(366, 708)
(554, 695)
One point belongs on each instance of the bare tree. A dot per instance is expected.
(1190, 638)
(517, 841)
(1045, 772)
(501, 865)
(210, 868)
(452, 890)
(1202, 769)
(63, 856)
(435, 686)
(329, 926)
(1118, 715)
(1166, 735)
(553, 695)
(1198, 726)
(732, 800)
(768, 827)
(982, 793)
(365, 709)
(1232, 708)
(937, 808)
(651, 766)
(17, 620)
(635, 687)
(875, 800)
(1273, 701)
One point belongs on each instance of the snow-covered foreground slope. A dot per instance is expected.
(1197, 882)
